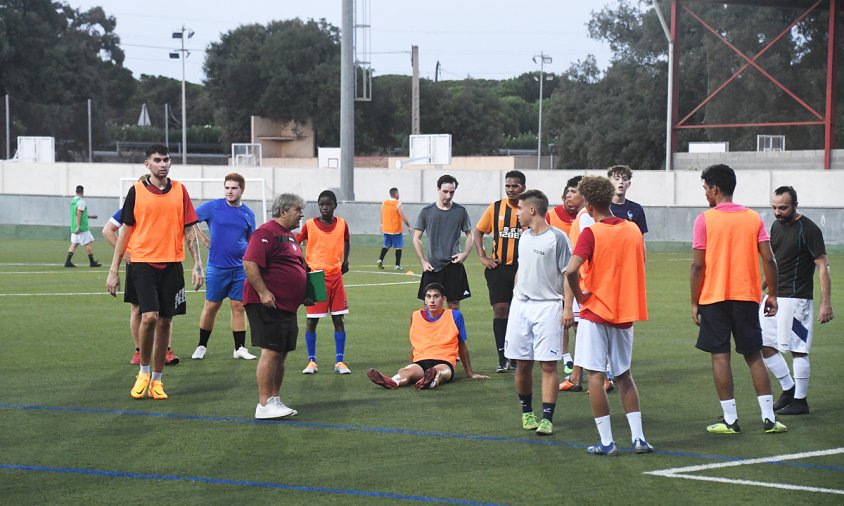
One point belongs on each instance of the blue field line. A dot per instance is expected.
(383, 430)
(242, 483)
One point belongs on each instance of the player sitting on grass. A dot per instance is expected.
(437, 338)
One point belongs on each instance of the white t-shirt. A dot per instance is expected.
(542, 261)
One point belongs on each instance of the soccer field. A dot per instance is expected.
(71, 434)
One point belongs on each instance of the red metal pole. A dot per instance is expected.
(829, 121)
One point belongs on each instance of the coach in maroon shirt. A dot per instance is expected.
(274, 289)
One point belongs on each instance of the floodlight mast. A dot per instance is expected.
(183, 53)
(543, 59)
(669, 162)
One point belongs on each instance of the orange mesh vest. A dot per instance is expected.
(159, 232)
(617, 280)
(555, 221)
(390, 219)
(732, 257)
(434, 340)
(325, 249)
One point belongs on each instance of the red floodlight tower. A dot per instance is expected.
(681, 9)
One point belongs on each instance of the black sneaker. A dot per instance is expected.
(796, 407)
(503, 367)
(785, 399)
(96, 264)
(69, 264)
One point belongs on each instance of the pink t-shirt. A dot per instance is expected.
(699, 234)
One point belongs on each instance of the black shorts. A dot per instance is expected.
(427, 364)
(161, 290)
(129, 294)
(737, 317)
(500, 282)
(272, 328)
(452, 277)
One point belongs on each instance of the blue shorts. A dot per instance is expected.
(221, 282)
(394, 240)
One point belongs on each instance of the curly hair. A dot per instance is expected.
(620, 170)
(596, 190)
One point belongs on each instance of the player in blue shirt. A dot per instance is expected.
(621, 207)
(231, 223)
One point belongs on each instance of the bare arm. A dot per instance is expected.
(253, 275)
(420, 254)
(192, 241)
(202, 237)
(463, 353)
(825, 315)
(696, 281)
(78, 220)
(347, 247)
(568, 301)
(769, 266)
(110, 234)
(404, 218)
(460, 257)
(113, 278)
(573, 278)
(489, 263)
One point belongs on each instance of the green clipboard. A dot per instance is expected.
(315, 286)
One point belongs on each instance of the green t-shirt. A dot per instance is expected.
(83, 221)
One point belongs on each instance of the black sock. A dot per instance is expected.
(499, 329)
(204, 336)
(138, 349)
(527, 403)
(383, 253)
(69, 256)
(548, 410)
(398, 257)
(239, 338)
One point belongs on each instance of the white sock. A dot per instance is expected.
(145, 369)
(766, 404)
(729, 409)
(156, 376)
(776, 364)
(801, 377)
(604, 429)
(634, 419)
(396, 378)
(566, 358)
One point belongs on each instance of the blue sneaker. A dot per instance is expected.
(642, 446)
(600, 449)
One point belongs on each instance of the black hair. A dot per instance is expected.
(784, 189)
(446, 179)
(722, 176)
(161, 149)
(516, 174)
(329, 194)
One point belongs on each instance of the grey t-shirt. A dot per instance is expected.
(443, 228)
(542, 261)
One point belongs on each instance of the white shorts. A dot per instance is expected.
(82, 238)
(791, 329)
(534, 330)
(601, 347)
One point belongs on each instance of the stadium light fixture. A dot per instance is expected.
(183, 54)
(541, 59)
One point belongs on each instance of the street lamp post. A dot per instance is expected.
(542, 60)
(183, 54)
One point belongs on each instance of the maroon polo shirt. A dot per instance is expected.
(282, 265)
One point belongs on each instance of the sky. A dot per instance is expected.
(489, 39)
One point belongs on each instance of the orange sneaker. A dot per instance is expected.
(568, 386)
(156, 390)
(171, 358)
(141, 384)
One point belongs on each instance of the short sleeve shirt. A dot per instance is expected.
(542, 260)
(796, 245)
(631, 211)
(282, 266)
(443, 228)
(230, 230)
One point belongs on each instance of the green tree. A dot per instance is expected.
(53, 54)
(285, 70)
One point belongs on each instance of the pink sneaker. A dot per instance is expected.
(136, 358)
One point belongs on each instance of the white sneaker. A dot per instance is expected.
(274, 409)
(242, 353)
(311, 369)
(199, 353)
(399, 268)
(341, 368)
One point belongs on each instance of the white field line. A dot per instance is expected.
(680, 472)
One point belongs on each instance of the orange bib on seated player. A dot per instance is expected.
(434, 340)
(732, 257)
(159, 232)
(324, 251)
(390, 218)
(617, 278)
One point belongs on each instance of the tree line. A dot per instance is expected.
(51, 53)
